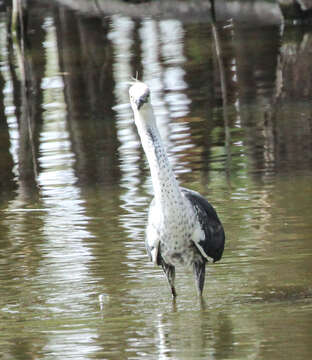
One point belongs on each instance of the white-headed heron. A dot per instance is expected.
(183, 228)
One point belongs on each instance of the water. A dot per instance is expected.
(75, 282)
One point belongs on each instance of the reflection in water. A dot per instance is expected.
(121, 37)
(72, 231)
(9, 135)
(66, 258)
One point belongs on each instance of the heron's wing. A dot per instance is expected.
(151, 234)
(213, 242)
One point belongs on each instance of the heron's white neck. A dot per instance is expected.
(165, 185)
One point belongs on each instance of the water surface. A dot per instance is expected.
(233, 104)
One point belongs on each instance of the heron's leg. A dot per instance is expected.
(170, 274)
(199, 272)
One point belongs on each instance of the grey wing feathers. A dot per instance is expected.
(213, 244)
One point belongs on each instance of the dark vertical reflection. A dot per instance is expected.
(86, 63)
(256, 54)
(224, 88)
(273, 72)
(28, 98)
(289, 129)
(7, 183)
(200, 75)
(211, 74)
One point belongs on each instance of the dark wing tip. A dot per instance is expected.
(214, 241)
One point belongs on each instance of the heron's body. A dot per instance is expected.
(171, 234)
(183, 228)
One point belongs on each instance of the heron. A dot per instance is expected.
(183, 228)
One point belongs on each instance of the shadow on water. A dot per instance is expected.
(232, 101)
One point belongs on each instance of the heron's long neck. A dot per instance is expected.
(165, 185)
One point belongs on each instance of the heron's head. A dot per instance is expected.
(139, 95)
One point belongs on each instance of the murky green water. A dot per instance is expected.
(75, 282)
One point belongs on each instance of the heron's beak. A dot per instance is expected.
(142, 100)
